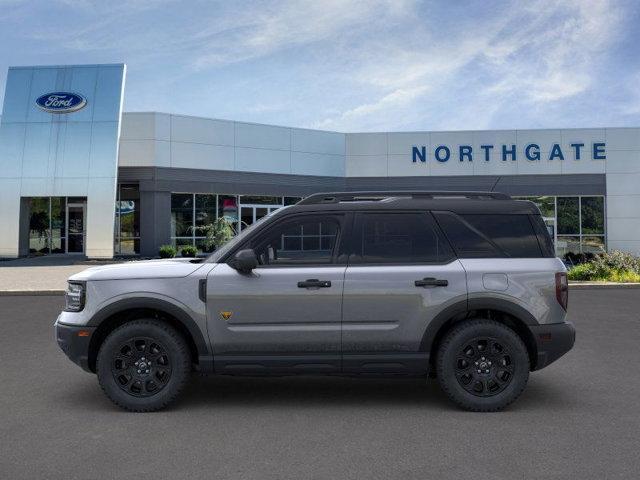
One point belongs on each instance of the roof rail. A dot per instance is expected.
(336, 197)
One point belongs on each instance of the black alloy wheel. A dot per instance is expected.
(143, 365)
(482, 365)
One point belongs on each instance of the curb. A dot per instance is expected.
(22, 293)
(601, 285)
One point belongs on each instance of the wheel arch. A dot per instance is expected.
(508, 313)
(122, 311)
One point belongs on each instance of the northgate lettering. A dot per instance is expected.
(531, 152)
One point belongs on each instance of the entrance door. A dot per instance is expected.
(75, 227)
(249, 214)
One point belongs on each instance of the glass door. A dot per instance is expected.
(249, 214)
(75, 227)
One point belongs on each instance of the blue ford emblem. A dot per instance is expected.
(61, 102)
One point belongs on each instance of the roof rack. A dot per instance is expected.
(336, 197)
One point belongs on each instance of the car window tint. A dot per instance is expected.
(513, 234)
(466, 241)
(306, 240)
(399, 238)
(544, 237)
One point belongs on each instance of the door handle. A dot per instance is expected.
(314, 283)
(431, 282)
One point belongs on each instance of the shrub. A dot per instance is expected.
(217, 233)
(167, 251)
(578, 258)
(614, 266)
(188, 251)
(581, 272)
(617, 260)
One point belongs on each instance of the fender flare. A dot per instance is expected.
(462, 308)
(175, 311)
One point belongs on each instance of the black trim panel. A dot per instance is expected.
(503, 305)
(408, 363)
(277, 364)
(75, 347)
(155, 304)
(553, 341)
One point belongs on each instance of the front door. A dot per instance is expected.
(75, 227)
(401, 274)
(286, 314)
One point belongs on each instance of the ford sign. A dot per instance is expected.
(61, 102)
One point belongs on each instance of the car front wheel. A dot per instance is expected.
(143, 365)
(482, 365)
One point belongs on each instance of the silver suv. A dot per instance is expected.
(463, 286)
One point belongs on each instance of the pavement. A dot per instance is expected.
(577, 419)
(40, 275)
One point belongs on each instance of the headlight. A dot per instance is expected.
(74, 296)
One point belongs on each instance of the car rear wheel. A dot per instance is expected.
(482, 365)
(143, 365)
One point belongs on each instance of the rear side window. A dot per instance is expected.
(398, 238)
(467, 242)
(544, 237)
(488, 235)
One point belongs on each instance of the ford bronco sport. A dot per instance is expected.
(463, 286)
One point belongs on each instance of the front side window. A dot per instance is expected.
(398, 238)
(306, 240)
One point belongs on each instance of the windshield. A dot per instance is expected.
(246, 231)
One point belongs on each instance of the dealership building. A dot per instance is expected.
(80, 176)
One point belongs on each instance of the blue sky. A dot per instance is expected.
(371, 65)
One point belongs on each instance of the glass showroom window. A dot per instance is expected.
(576, 224)
(580, 223)
(127, 228)
(192, 210)
(189, 211)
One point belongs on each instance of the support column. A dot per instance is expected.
(155, 221)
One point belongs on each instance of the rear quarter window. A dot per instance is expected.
(491, 235)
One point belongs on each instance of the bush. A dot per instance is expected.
(614, 266)
(217, 233)
(578, 258)
(167, 251)
(188, 251)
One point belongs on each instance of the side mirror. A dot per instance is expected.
(245, 260)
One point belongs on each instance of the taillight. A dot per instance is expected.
(562, 289)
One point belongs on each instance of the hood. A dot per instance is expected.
(167, 268)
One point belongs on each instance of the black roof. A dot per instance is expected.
(457, 202)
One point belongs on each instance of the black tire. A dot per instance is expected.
(163, 365)
(482, 365)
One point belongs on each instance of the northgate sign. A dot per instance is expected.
(531, 152)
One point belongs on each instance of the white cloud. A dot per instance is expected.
(534, 53)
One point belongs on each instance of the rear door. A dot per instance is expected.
(285, 315)
(401, 274)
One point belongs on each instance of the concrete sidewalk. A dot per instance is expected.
(40, 275)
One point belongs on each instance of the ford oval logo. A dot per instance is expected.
(61, 102)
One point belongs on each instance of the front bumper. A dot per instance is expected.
(74, 342)
(552, 341)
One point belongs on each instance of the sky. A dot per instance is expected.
(348, 65)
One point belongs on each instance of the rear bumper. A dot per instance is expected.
(74, 342)
(552, 341)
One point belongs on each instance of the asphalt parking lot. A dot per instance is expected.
(577, 419)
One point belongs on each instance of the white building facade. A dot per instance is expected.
(61, 186)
